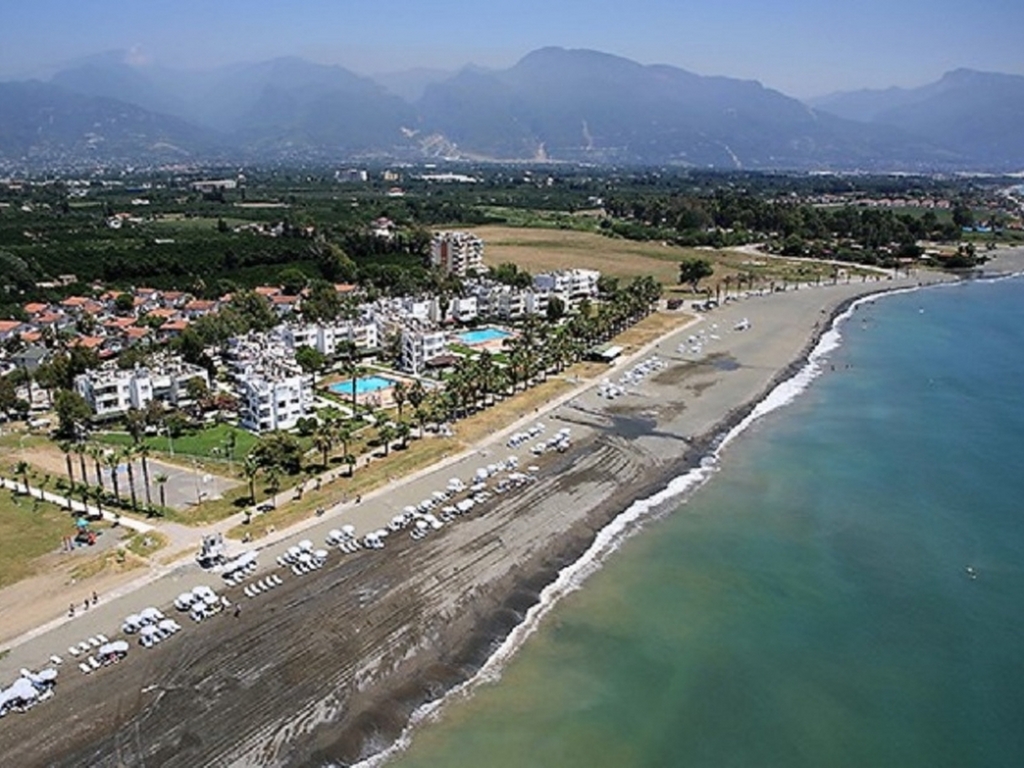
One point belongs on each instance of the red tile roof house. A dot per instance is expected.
(199, 307)
(172, 329)
(176, 299)
(35, 308)
(11, 328)
(134, 334)
(285, 304)
(269, 291)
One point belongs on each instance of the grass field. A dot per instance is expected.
(542, 249)
(28, 530)
(210, 443)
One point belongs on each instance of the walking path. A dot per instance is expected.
(77, 506)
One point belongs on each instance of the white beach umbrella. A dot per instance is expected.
(47, 675)
(320, 554)
(211, 599)
(306, 545)
(305, 557)
(481, 473)
(103, 650)
(147, 631)
(350, 530)
(151, 614)
(167, 625)
(294, 551)
(334, 534)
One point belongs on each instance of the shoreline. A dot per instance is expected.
(672, 489)
(397, 666)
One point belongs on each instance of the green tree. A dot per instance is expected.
(279, 450)
(72, 413)
(693, 270)
(310, 359)
(322, 302)
(8, 396)
(124, 304)
(292, 281)
(556, 309)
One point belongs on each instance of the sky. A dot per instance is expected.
(800, 47)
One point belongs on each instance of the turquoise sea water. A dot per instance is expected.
(809, 606)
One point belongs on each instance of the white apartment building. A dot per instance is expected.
(576, 283)
(270, 403)
(112, 392)
(325, 338)
(420, 346)
(457, 253)
(273, 391)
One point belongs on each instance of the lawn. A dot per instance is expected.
(209, 443)
(28, 530)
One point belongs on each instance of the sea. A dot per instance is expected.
(844, 588)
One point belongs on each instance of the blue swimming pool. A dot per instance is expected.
(482, 336)
(364, 384)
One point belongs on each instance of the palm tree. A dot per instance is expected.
(400, 394)
(251, 467)
(421, 415)
(403, 430)
(417, 394)
(96, 453)
(80, 450)
(129, 453)
(113, 461)
(273, 476)
(143, 451)
(161, 480)
(21, 468)
(350, 460)
(323, 439)
(65, 448)
(343, 434)
(386, 433)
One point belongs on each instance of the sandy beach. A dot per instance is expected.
(330, 665)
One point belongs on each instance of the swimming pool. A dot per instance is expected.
(483, 336)
(364, 384)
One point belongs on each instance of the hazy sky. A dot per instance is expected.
(801, 47)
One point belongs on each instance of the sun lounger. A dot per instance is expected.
(86, 669)
(93, 662)
(56, 660)
(73, 650)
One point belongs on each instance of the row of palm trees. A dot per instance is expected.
(112, 459)
(541, 349)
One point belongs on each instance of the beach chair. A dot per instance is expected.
(103, 639)
(86, 669)
(56, 660)
(73, 650)
(93, 662)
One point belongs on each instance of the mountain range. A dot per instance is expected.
(554, 105)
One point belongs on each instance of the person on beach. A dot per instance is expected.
(95, 598)
(71, 610)
(86, 606)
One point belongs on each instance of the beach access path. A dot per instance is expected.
(349, 639)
